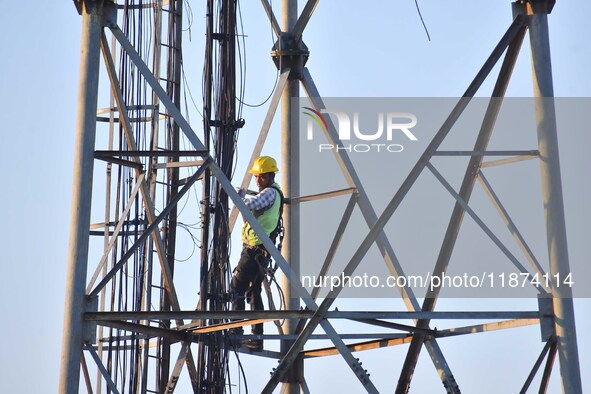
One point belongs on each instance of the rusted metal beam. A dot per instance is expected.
(331, 351)
(148, 331)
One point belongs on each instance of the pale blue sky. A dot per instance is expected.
(369, 48)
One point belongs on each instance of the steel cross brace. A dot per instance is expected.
(482, 225)
(371, 219)
(301, 23)
(511, 225)
(511, 40)
(102, 368)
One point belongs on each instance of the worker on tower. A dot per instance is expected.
(267, 207)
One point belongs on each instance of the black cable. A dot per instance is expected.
(189, 18)
(193, 238)
(188, 90)
(422, 21)
(242, 372)
(268, 97)
(241, 100)
(242, 64)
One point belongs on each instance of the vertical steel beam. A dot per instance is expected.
(290, 179)
(552, 198)
(92, 24)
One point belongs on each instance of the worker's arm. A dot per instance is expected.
(264, 199)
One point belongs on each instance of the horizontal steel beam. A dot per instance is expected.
(500, 325)
(487, 153)
(370, 335)
(99, 154)
(122, 162)
(149, 331)
(319, 196)
(509, 160)
(303, 314)
(178, 164)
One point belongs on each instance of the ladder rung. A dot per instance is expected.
(170, 46)
(169, 80)
(170, 12)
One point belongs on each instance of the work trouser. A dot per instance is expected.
(247, 281)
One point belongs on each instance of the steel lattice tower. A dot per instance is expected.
(126, 315)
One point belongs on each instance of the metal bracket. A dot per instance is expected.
(546, 308)
(109, 14)
(89, 330)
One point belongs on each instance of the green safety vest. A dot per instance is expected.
(268, 218)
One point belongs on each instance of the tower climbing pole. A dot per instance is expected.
(289, 57)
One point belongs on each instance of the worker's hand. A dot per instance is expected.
(241, 192)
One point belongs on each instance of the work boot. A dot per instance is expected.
(254, 344)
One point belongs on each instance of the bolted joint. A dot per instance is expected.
(289, 53)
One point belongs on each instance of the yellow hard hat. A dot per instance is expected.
(264, 164)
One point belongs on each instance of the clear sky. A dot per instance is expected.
(369, 48)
